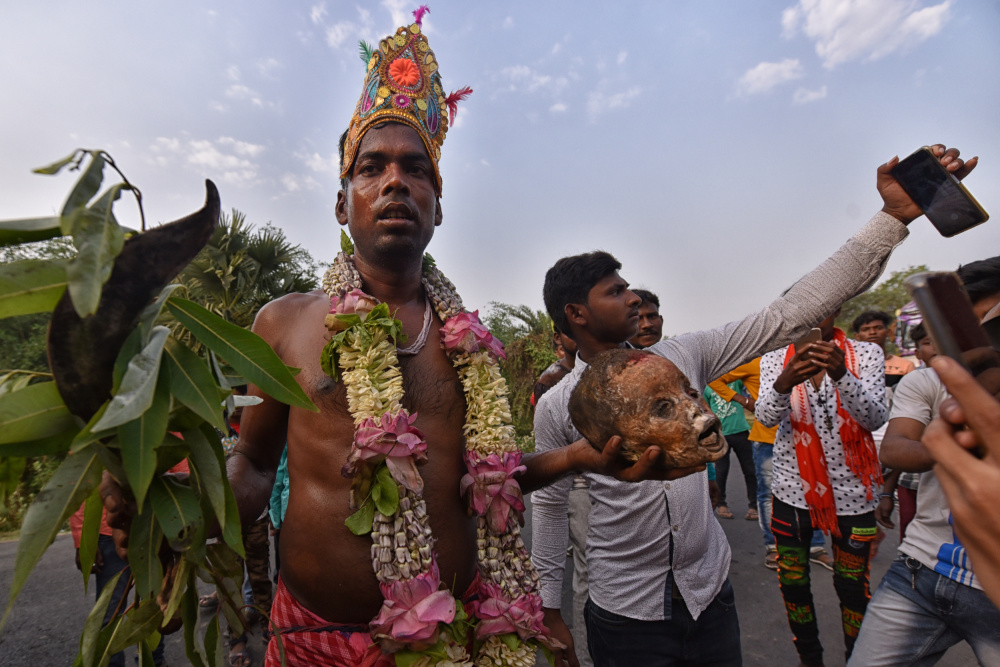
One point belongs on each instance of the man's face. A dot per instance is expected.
(612, 310)
(650, 326)
(925, 350)
(873, 332)
(391, 203)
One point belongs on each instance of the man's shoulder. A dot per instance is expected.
(922, 380)
(276, 316)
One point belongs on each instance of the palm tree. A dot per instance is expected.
(243, 268)
(509, 322)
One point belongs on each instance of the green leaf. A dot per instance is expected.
(88, 435)
(33, 413)
(510, 640)
(131, 347)
(213, 643)
(58, 165)
(98, 239)
(72, 482)
(28, 230)
(211, 473)
(245, 351)
(95, 620)
(93, 511)
(183, 587)
(177, 509)
(152, 312)
(360, 523)
(54, 444)
(345, 243)
(143, 554)
(138, 387)
(406, 657)
(87, 185)
(232, 534)
(138, 624)
(31, 286)
(192, 383)
(141, 436)
(11, 470)
(387, 500)
(146, 653)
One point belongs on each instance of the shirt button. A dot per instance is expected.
(666, 486)
(674, 527)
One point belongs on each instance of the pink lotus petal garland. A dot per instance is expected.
(387, 448)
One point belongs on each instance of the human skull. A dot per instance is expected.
(645, 399)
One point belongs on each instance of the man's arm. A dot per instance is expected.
(848, 272)
(901, 446)
(863, 397)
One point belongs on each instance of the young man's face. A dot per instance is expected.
(650, 326)
(925, 350)
(391, 202)
(873, 332)
(612, 310)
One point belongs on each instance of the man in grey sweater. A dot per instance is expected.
(659, 562)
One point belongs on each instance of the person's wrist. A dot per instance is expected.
(886, 495)
(899, 214)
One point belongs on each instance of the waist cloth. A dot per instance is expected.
(308, 639)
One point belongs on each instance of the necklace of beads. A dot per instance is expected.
(419, 621)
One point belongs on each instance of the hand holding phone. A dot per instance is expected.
(941, 196)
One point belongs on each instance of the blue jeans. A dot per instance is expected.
(917, 614)
(112, 566)
(712, 640)
(763, 452)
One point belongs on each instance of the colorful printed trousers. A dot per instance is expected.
(793, 532)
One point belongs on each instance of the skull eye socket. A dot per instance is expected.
(663, 408)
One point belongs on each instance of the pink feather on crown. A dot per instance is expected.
(453, 100)
(418, 14)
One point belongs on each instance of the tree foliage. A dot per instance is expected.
(508, 322)
(243, 267)
(159, 388)
(889, 296)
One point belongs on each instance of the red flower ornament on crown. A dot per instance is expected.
(403, 85)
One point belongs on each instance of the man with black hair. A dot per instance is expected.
(873, 326)
(930, 599)
(650, 321)
(659, 561)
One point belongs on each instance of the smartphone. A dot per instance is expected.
(814, 336)
(953, 325)
(942, 197)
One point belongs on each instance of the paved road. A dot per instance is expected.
(45, 625)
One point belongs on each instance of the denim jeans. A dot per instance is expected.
(763, 452)
(712, 640)
(112, 566)
(917, 614)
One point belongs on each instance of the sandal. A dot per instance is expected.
(751, 515)
(723, 512)
(210, 601)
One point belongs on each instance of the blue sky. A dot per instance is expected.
(719, 149)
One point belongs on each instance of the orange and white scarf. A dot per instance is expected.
(857, 441)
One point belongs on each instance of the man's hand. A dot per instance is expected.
(120, 512)
(828, 357)
(610, 462)
(799, 369)
(883, 512)
(564, 657)
(98, 562)
(896, 202)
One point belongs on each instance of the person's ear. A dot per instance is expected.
(438, 213)
(341, 209)
(576, 313)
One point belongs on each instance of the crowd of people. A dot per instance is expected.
(651, 560)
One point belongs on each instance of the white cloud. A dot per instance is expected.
(804, 96)
(766, 76)
(522, 77)
(268, 67)
(320, 164)
(338, 33)
(622, 56)
(599, 102)
(558, 107)
(846, 30)
(233, 72)
(317, 13)
(294, 183)
(508, 22)
(218, 106)
(400, 11)
(227, 159)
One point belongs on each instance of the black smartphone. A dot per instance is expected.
(942, 197)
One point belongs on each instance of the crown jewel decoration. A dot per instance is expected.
(403, 84)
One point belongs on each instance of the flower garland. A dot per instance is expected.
(420, 622)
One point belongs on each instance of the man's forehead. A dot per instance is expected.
(393, 136)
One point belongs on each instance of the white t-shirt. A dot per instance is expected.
(929, 537)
